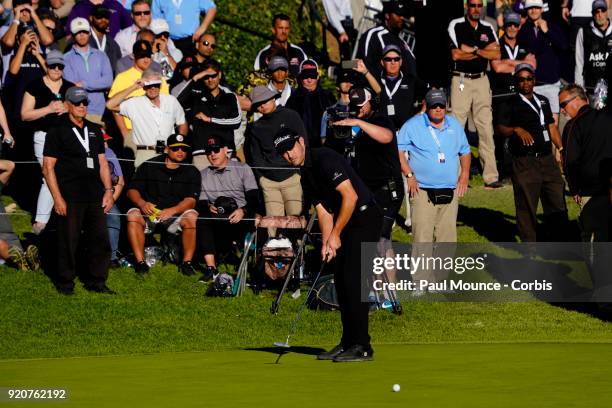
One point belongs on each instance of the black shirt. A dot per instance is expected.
(294, 55)
(398, 96)
(311, 106)
(504, 83)
(77, 182)
(323, 171)
(462, 32)
(373, 42)
(44, 96)
(166, 187)
(15, 85)
(516, 112)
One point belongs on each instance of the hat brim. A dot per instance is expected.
(286, 146)
(258, 103)
(179, 144)
(78, 100)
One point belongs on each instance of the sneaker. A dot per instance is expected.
(389, 305)
(209, 273)
(493, 185)
(331, 354)
(141, 267)
(354, 354)
(187, 268)
(17, 258)
(32, 258)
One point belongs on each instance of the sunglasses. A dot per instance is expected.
(392, 59)
(566, 102)
(147, 87)
(181, 148)
(475, 5)
(164, 34)
(437, 106)
(142, 13)
(208, 44)
(210, 76)
(82, 103)
(524, 79)
(512, 25)
(56, 66)
(213, 150)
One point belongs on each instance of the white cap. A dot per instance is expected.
(533, 3)
(159, 25)
(79, 24)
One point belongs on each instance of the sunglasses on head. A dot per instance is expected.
(82, 103)
(437, 106)
(56, 66)
(177, 148)
(471, 5)
(392, 59)
(209, 44)
(524, 79)
(142, 13)
(147, 87)
(210, 76)
(566, 102)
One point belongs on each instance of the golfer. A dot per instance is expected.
(348, 216)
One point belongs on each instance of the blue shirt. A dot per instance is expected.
(94, 71)
(184, 20)
(415, 137)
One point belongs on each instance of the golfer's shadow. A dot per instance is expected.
(281, 351)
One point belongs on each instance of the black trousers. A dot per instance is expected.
(217, 235)
(594, 219)
(186, 45)
(535, 179)
(389, 206)
(82, 242)
(363, 226)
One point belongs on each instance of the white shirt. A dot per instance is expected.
(336, 11)
(150, 123)
(581, 8)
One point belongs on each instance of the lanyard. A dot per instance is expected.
(101, 45)
(84, 142)
(512, 54)
(397, 85)
(432, 131)
(177, 3)
(539, 110)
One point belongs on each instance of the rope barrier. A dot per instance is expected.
(125, 215)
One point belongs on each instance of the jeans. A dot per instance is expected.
(113, 224)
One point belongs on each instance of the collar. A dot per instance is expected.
(600, 33)
(584, 109)
(467, 21)
(84, 53)
(217, 170)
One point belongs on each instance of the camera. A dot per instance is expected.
(160, 147)
(336, 113)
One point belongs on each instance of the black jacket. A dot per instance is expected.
(587, 152)
(311, 106)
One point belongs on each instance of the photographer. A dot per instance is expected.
(229, 192)
(367, 139)
(25, 17)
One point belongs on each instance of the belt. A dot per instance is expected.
(366, 206)
(533, 154)
(468, 75)
(142, 147)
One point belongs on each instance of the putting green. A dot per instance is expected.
(431, 375)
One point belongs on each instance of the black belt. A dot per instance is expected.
(142, 147)
(366, 206)
(533, 154)
(468, 75)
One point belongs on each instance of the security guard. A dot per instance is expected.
(527, 120)
(373, 42)
(347, 216)
(593, 45)
(473, 45)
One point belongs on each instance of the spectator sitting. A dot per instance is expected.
(119, 18)
(88, 68)
(153, 116)
(165, 191)
(182, 76)
(234, 183)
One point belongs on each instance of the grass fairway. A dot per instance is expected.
(450, 375)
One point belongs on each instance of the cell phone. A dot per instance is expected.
(349, 64)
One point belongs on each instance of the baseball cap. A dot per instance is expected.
(214, 142)
(599, 5)
(79, 24)
(523, 67)
(142, 49)
(159, 25)
(177, 140)
(512, 17)
(309, 69)
(100, 11)
(277, 62)
(76, 94)
(359, 96)
(434, 97)
(285, 140)
(261, 94)
(395, 7)
(54, 57)
(533, 3)
(391, 47)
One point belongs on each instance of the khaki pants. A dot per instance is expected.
(476, 98)
(282, 197)
(433, 223)
(142, 156)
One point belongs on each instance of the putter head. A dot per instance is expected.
(281, 344)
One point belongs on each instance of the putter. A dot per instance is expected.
(285, 344)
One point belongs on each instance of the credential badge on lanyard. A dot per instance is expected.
(540, 113)
(390, 106)
(441, 157)
(85, 143)
(178, 19)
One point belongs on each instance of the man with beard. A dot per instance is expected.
(99, 39)
(527, 120)
(295, 55)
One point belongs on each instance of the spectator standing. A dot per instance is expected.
(113, 218)
(25, 16)
(127, 62)
(88, 68)
(527, 120)
(164, 52)
(473, 45)
(120, 18)
(183, 16)
(61, 8)
(340, 25)
(141, 15)
(78, 176)
(99, 39)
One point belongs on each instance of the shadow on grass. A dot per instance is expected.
(494, 225)
(309, 351)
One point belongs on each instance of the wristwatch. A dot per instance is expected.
(112, 189)
(410, 175)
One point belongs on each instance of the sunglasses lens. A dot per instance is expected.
(147, 87)
(437, 106)
(177, 148)
(142, 13)
(56, 66)
(525, 79)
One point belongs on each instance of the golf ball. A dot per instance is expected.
(396, 387)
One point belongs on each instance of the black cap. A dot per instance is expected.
(99, 11)
(142, 49)
(214, 142)
(395, 7)
(177, 140)
(285, 140)
(358, 97)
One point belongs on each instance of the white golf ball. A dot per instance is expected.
(396, 387)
